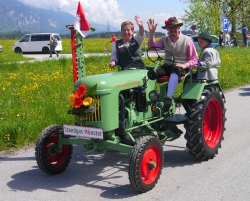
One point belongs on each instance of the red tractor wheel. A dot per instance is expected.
(146, 163)
(213, 123)
(48, 157)
(205, 124)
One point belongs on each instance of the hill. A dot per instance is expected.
(18, 17)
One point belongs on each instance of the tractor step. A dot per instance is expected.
(176, 118)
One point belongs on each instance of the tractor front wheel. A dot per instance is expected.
(146, 163)
(49, 159)
(205, 124)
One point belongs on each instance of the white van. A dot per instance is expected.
(37, 42)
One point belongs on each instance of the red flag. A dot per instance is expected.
(81, 23)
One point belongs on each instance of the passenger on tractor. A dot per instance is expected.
(209, 57)
(181, 47)
(126, 52)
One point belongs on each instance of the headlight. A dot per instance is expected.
(154, 96)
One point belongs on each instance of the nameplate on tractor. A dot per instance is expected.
(83, 131)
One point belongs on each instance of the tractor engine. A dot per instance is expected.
(131, 103)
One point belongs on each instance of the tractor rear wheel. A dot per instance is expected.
(146, 163)
(205, 123)
(48, 158)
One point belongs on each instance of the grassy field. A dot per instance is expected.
(35, 95)
(95, 45)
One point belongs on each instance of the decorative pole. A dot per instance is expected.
(78, 61)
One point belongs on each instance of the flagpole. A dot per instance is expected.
(81, 69)
(78, 61)
(80, 29)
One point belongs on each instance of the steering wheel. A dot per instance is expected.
(159, 58)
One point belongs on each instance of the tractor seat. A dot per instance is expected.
(165, 78)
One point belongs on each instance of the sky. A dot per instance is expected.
(114, 12)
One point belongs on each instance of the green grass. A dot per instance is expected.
(94, 45)
(7, 55)
(35, 95)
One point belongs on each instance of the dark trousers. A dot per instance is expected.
(166, 70)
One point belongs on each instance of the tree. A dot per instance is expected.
(206, 14)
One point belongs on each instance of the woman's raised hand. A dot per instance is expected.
(138, 21)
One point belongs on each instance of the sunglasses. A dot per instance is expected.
(173, 27)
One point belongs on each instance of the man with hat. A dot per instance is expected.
(209, 57)
(183, 49)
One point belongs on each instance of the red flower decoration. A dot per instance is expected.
(167, 22)
(78, 103)
(80, 91)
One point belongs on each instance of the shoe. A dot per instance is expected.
(57, 55)
(167, 104)
(173, 132)
(50, 56)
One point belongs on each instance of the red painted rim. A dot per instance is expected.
(152, 154)
(213, 122)
(58, 159)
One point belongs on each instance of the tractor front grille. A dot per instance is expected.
(96, 116)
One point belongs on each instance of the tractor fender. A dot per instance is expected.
(193, 90)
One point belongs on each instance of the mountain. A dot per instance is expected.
(16, 16)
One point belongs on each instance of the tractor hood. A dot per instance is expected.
(121, 80)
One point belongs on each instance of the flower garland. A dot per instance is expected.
(80, 101)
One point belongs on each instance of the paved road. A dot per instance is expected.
(104, 177)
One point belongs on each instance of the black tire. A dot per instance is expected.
(205, 123)
(45, 50)
(48, 159)
(18, 50)
(143, 175)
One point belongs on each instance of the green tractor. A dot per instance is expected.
(122, 112)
